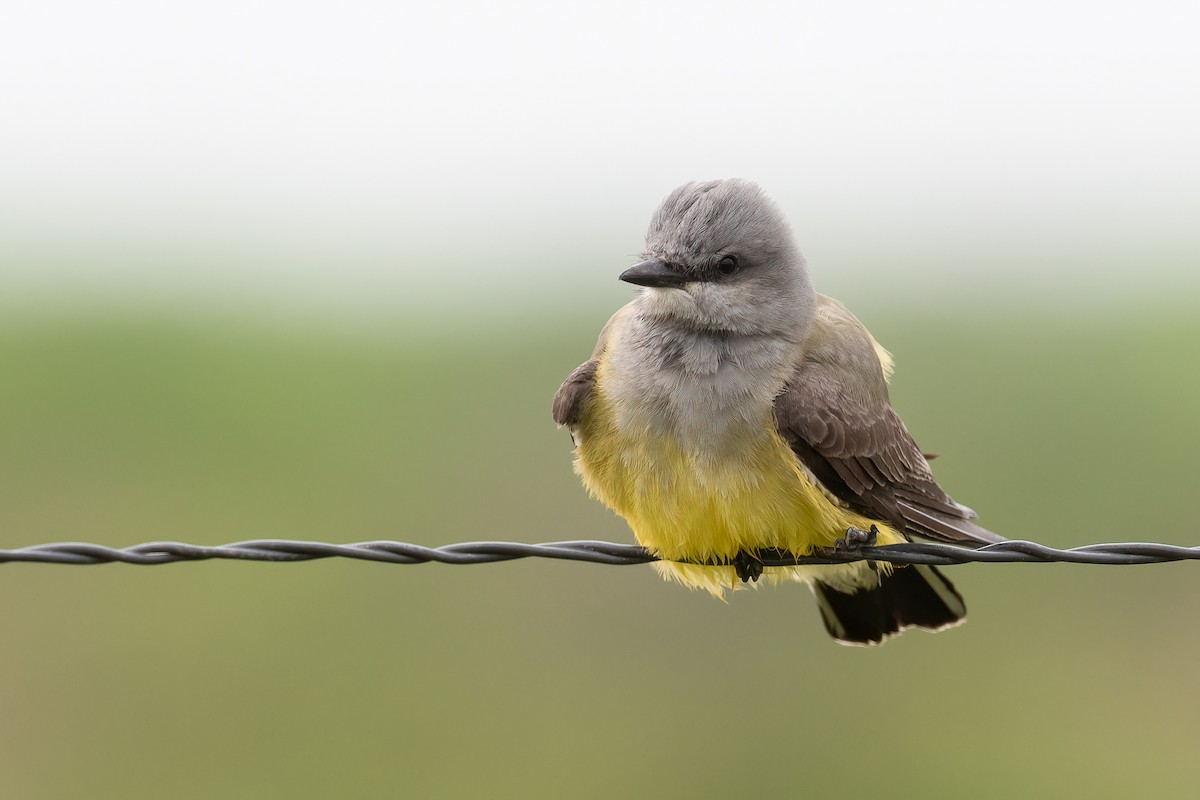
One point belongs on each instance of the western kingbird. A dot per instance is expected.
(729, 408)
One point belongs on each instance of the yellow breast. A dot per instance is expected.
(697, 503)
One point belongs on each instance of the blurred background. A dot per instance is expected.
(314, 271)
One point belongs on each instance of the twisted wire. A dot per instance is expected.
(284, 550)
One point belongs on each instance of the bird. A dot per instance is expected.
(729, 408)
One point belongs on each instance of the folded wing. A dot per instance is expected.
(836, 416)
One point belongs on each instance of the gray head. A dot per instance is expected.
(720, 256)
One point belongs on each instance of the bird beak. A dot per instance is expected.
(657, 274)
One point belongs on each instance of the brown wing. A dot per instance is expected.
(570, 401)
(858, 448)
(573, 394)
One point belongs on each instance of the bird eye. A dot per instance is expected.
(728, 265)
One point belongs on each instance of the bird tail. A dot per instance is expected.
(915, 596)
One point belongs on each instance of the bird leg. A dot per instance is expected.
(747, 567)
(856, 539)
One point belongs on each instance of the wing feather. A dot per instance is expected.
(570, 401)
(854, 442)
(571, 397)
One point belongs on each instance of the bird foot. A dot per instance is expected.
(747, 567)
(856, 539)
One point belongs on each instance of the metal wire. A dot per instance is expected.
(283, 550)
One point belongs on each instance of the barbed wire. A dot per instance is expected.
(286, 550)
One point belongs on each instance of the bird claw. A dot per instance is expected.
(747, 567)
(856, 539)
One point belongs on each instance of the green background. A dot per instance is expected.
(314, 270)
(547, 679)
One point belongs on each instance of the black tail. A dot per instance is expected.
(914, 596)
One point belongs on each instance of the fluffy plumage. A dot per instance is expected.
(738, 410)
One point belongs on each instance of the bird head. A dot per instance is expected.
(720, 257)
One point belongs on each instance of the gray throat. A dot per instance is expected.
(697, 386)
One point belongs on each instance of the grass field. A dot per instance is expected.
(546, 679)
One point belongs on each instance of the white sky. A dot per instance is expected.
(442, 154)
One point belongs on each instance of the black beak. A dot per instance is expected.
(658, 274)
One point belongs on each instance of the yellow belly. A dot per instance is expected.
(686, 503)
